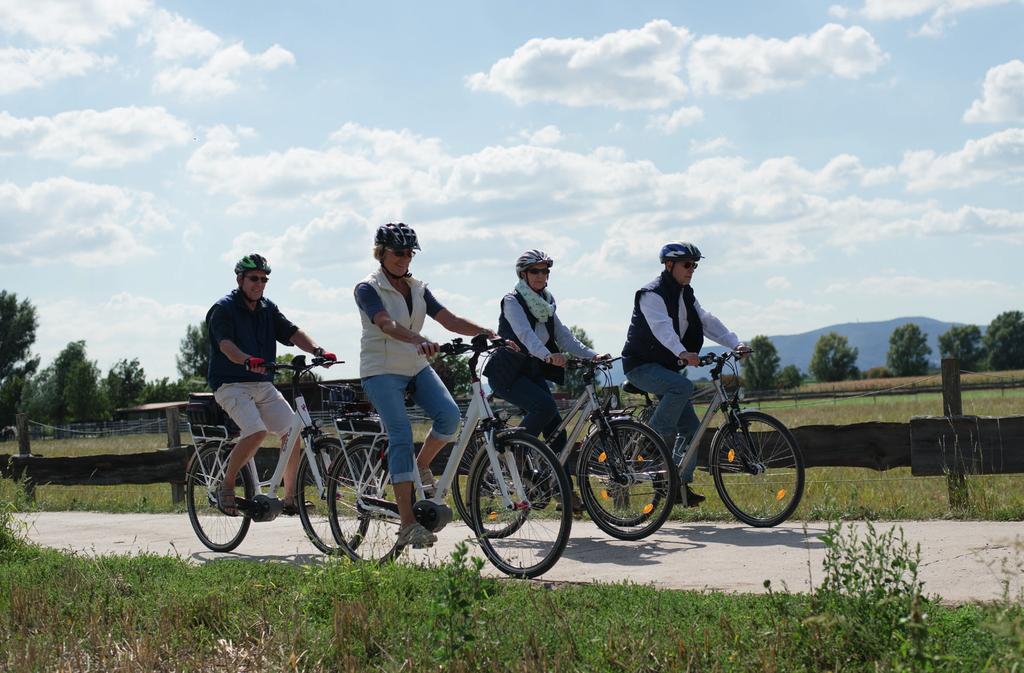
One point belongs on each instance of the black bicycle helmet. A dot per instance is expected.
(252, 262)
(396, 236)
(680, 250)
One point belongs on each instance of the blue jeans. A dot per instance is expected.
(387, 393)
(533, 396)
(674, 419)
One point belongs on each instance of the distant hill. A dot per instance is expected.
(871, 339)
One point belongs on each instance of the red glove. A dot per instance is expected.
(253, 363)
(321, 353)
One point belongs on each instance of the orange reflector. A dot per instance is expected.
(732, 455)
(603, 457)
(648, 508)
(639, 459)
(604, 494)
(781, 494)
(493, 516)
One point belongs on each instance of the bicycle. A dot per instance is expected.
(214, 435)
(754, 459)
(513, 484)
(623, 468)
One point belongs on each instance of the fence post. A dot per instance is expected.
(25, 449)
(173, 442)
(952, 405)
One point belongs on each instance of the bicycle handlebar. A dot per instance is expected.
(299, 364)
(481, 343)
(591, 364)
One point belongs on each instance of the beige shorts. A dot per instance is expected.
(255, 407)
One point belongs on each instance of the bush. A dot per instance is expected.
(878, 373)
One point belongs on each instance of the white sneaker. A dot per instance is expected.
(427, 479)
(416, 536)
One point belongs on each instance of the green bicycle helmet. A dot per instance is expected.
(252, 262)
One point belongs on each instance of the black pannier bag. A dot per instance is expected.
(203, 410)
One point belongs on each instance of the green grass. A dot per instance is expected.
(69, 612)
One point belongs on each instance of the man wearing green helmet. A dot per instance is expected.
(244, 328)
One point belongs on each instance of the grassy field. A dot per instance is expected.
(830, 493)
(149, 613)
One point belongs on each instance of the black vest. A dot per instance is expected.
(642, 346)
(505, 366)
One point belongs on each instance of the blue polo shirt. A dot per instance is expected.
(255, 332)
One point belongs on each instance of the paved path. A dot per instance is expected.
(960, 560)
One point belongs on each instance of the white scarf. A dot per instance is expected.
(541, 305)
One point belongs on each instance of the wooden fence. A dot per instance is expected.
(950, 444)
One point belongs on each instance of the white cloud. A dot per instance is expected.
(742, 67)
(996, 157)
(777, 283)
(151, 329)
(943, 12)
(547, 136)
(782, 316)
(75, 22)
(892, 284)
(710, 146)
(323, 242)
(1003, 95)
(684, 116)
(32, 68)
(627, 69)
(219, 75)
(176, 38)
(67, 221)
(91, 138)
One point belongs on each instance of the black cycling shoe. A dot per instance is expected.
(686, 496)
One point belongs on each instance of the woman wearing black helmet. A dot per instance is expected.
(529, 319)
(393, 306)
(666, 333)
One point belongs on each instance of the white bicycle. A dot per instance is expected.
(214, 435)
(515, 483)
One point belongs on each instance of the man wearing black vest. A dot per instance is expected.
(666, 333)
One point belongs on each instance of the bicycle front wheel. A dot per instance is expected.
(626, 479)
(315, 518)
(205, 472)
(526, 539)
(462, 476)
(758, 469)
(359, 474)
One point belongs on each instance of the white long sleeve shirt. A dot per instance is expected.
(653, 308)
(534, 339)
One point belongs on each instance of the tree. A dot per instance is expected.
(833, 358)
(166, 390)
(963, 342)
(908, 351)
(789, 377)
(1004, 341)
(67, 390)
(454, 374)
(762, 365)
(125, 383)
(193, 357)
(18, 324)
(574, 384)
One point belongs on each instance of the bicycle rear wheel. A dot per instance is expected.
(528, 539)
(758, 469)
(626, 479)
(316, 520)
(360, 472)
(203, 477)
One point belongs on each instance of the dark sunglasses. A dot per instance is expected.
(539, 272)
(688, 264)
(407, 252)
(258, 279)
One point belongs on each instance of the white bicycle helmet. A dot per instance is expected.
(530, 258)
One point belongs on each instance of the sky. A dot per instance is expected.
(834, 162)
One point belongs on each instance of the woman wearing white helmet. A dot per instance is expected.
(528, 318)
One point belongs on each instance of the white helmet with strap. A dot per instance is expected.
(530, 258)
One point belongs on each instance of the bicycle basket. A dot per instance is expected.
(202, 409)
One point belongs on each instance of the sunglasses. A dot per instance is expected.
(258, 279)
(407, 252)
(539, 272)
(688, 264)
